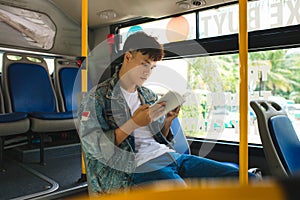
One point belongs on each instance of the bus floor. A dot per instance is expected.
(26, 178)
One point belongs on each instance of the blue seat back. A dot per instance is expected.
(30, 88)
(27, 86)
(2, 109)
(180, 142)
(67, 81)
(280, 141)
(286, 142)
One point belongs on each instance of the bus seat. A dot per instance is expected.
(280, 141)
(27, 87)
(66, 86)
(11, 124)
(180, 142)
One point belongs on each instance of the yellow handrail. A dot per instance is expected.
(208, 190)
(84, 42)
(243, 56)
(84, 53)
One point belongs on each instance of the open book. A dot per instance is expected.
(172, 99)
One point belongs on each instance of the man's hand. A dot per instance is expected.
(168, 120)
(157, 110)
(172, 114)
(142, 116)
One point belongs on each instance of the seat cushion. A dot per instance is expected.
(14, 127)
(12, 117)
(52, 115)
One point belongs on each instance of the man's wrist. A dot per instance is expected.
(124, 131)
(168, 122)
(129, 127)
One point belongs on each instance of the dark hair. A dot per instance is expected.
(147, 45)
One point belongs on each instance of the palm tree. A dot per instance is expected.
(279, 81)
(217, 73)
(221, 73)
(293, 60)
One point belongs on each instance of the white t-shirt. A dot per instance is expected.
(146, 146)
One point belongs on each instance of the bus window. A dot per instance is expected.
(212, 111)
(14, 57)
(166, 30)
(262, 15)
(50, 63)
(29, 28)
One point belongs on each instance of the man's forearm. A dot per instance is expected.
(166, 128)
(124, 131)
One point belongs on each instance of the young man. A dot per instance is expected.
(122, 143)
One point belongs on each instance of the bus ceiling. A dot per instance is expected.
(107, 12)
(53, 26)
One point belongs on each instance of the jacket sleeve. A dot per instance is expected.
(97, 139)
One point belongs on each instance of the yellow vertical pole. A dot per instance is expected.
(84, 53)
(84, 42)
(243, 55)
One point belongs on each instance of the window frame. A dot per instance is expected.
(260, 40)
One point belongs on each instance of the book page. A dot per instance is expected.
(172, 99)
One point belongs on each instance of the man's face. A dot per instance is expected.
(138, 67)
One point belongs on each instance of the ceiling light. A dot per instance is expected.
(183, 5)
(107, 14)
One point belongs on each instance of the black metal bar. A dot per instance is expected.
(1, 154)
(42, 149)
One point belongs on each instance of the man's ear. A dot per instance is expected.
(127, 56)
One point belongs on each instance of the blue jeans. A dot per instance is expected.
(175, 166)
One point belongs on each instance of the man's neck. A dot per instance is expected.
(125, 81)
(127, 85)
